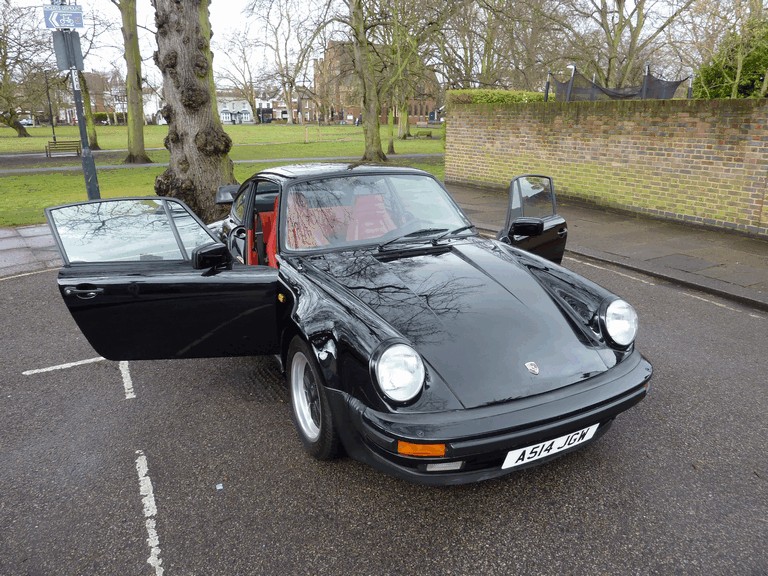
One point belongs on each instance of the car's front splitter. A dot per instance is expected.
(481, 438)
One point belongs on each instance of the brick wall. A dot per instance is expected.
(701, 161)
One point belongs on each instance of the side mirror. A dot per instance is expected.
(226, 194)
(524, 226)
(213, 255)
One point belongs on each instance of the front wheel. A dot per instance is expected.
(311, 410)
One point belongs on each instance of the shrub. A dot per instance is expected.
(485, 96)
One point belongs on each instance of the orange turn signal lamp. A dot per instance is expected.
(424, 450)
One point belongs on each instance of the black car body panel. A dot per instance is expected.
(458, 305)
(164, 313)
(513, 346)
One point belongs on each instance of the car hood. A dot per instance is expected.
(475, 312)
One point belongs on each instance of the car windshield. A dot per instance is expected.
(347, 211)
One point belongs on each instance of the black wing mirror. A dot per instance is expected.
(524, 226)
(211, 256)
(226, 194)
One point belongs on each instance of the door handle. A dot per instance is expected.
(562, 233)
(83, 293)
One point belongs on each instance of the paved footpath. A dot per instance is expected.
(723, 263)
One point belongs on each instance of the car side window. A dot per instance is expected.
(238, 206)
(137, 230)
(536, 196)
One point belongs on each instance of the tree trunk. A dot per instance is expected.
(403, 126)
(199, 147)
(364, 67)
(90, 125)
(136, 152)
(391, 130)
(21, 132)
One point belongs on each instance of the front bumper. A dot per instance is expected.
(480, 438)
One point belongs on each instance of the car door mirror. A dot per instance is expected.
(226, 194)
(211, 256)
(524, 226)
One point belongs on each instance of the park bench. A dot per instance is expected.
(62, 146)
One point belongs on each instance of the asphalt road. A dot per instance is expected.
(201, 472)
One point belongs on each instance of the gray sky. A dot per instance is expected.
(226, 16)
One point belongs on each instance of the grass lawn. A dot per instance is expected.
(24, 196)
(115, 138)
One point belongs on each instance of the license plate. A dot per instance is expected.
(530, 453)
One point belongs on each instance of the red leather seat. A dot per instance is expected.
(306, 226)
(269, 229)
(369, 218)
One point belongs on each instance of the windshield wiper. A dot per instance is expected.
(415, 234)
(451, 233)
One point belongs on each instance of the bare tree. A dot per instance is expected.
(362, 18)
(241, 69)
(405, 40)
(291, 28)
(136, 152)
(24, 52)
(470, 46)
(97, 27)
(199, 147)
(609, 38)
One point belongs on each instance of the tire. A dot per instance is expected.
(311, 411)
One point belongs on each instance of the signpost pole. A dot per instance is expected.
(89, 166)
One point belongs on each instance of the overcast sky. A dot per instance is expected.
(226, 16)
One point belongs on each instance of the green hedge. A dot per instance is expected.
(493, 96)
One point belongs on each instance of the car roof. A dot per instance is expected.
(309, 171)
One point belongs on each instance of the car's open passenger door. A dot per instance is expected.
(145, 279)
(532, 222)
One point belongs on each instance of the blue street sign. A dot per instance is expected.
(63, 16)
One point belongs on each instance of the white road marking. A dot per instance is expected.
(127, 382)
(150, 511)
(63, 366)
(28, 274)
(610, 270)
(708, 301)
(130, 394)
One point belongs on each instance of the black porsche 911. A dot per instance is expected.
(408, 340)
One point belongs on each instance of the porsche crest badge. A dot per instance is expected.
(533, 368)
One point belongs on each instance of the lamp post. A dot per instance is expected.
(50, 108)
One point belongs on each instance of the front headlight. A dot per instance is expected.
(400, 372)
(621, 322)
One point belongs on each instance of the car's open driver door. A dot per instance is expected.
(144, 279)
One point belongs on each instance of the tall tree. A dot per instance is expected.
(240, 68)
(291, 28)
(90, 125)
(199, 147)
(739, 68)
(362, 18)
(97, 26)
(136, 152)
(24, 51)
(406, 38)
(609, 38)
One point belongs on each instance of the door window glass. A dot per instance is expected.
(238, 207)
(127, 230)
(536, 192)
